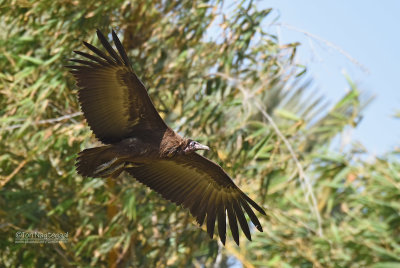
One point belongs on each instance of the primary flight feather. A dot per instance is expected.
(121, 114)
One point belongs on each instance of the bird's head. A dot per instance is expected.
(192, 146)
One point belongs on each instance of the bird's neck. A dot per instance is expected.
(172, 143)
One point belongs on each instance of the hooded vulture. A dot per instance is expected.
(136, 140)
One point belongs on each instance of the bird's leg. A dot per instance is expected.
(107, 168)
(113, 168)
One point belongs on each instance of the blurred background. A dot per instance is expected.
(297, 102)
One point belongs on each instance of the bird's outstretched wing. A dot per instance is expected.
(113, 99)
(204, 188)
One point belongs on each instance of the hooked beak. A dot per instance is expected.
(199, 146)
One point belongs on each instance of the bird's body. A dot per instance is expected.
(145, 147)
(136, 140)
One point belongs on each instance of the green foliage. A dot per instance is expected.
(207, 65)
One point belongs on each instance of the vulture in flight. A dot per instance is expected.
(136, 140)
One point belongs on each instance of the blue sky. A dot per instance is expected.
(369, 32)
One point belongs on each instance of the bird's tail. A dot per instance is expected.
(99, 162)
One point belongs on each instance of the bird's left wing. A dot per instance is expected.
(204, 188)
(113, 99)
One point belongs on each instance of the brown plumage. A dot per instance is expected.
(118, 109)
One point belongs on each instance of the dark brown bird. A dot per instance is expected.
(119, 111)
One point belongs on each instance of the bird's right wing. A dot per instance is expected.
(204, 188)
(113, 99)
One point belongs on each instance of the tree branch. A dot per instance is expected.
(46, 121)
(9, 177)
(329, 44)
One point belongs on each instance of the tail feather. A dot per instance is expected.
(99, 162)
